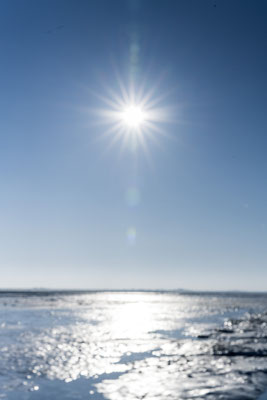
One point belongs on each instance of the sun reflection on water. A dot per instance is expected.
(132, 346)
(133, 319)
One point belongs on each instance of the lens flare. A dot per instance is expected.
(131, 236)
(132, 197)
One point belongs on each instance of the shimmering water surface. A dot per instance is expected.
(132, 345)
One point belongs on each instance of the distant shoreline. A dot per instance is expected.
(54, 292)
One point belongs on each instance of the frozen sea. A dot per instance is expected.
(132, 345)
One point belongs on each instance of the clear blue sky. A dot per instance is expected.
(198, 214)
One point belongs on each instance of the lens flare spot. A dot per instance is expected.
(132, 197)
(131, 236)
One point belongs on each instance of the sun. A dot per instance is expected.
(133, 117)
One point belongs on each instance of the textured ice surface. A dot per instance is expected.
(132, 346)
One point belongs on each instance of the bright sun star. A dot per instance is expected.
(133, 116)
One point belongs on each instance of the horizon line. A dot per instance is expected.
(121, 290)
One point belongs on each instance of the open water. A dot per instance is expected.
(132, 345)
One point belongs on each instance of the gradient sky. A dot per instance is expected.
(196, 216)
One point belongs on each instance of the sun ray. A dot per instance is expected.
(133, 116)
(110, 132)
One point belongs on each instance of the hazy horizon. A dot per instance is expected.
(106, 289)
